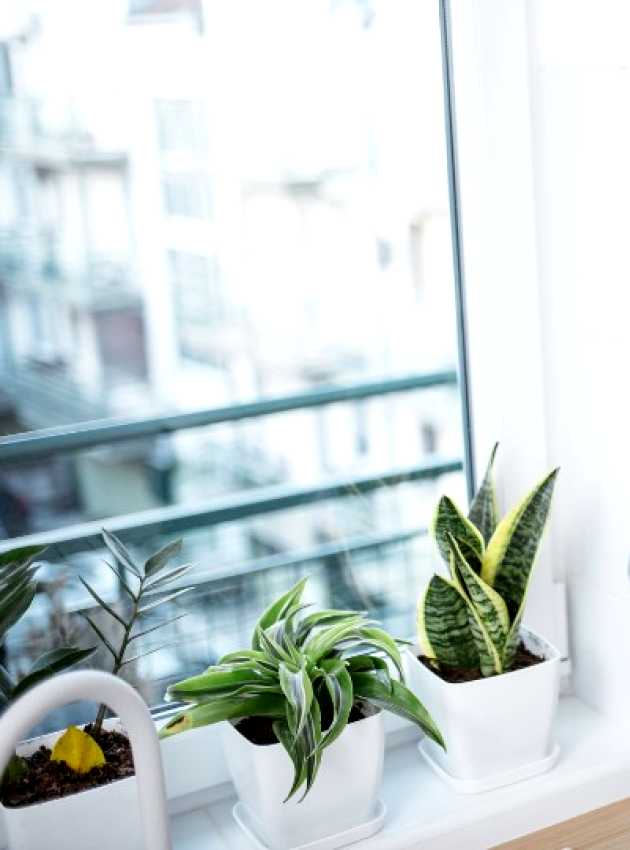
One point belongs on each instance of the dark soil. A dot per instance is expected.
(48, 780)
(455, 675)
(259, 730)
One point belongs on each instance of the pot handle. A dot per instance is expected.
(99, 687)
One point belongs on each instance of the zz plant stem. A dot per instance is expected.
(137, 582)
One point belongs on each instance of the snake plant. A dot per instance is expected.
(18, 569)
(472, 619)
(299, 668)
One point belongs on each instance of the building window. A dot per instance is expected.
(181, 126)
(187, 195)
(197, 304)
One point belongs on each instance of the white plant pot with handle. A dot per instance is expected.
(95, 819)
(498, 729)
(129, 813)
(344, 794)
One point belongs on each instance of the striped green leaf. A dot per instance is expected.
(509, 559)
(444, 631)
(399, 700)
(298, 690)
(224, 708)
(483, 511)
(279, 609)
(448, 519)
(490, 607)
(339, 685)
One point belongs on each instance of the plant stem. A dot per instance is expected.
(120, 656)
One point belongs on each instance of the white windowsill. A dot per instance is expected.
(593, 770)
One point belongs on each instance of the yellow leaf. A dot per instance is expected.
(78, 750)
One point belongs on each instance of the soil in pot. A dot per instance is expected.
(49, 780)
(456, 675)
(259, 730)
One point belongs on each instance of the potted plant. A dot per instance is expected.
(491, 685)
(304, 703)
(81, 778)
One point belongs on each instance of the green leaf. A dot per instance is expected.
(339, 686)
(483, 512)
(104, 605)
(444, 631)
(448, 519)
(380, 640)
(23, 556)
(490, 607)
(509, 559)
(7, 685)
(284, 736)
(169, 576)
(400, 700)
(161, 625)
(224, 708)
(51, 663)
(320, 643)
(15, 603)
(162, 600)
(120, 552)
(158, 561)
(214, 680)
(123, 582)
(298, 689)
(99, 634)
(328, 617)
(279, 609)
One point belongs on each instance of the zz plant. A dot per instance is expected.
(472, 619)
(301, 667)
(142, 584)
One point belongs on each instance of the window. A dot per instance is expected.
(275, 373)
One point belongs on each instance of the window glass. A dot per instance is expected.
(247, 208)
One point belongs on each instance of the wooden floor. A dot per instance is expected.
(603, 829)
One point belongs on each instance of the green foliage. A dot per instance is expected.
(300, 668)
(473, 618)
(142, 584)
(18, 584)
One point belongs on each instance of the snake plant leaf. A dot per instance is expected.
(49, 664)
(120, 552)
(483, 511)
(509, 559)
(444, 631)
(157, 562)
(448, 519)
(298, 689)
(78, 750)
(279, 609)
(513, 639)
(224, 708)
(489, 656)
(491, 608)
(399, 701)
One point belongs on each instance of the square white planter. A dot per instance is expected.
(497, 730)
(344, 795)
(105, 818)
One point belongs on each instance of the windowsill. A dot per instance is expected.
(593, 770)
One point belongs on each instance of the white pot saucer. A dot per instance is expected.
(489, 783)
(246, 822)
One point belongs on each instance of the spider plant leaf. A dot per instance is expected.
(104, 605)
(448, 519)
(284, 736)
(339, 686)
(400, 700)
(51, 663)
(380, 640)
(213, 680)
(483, 511)
(298, 689)
(490, 607)
(224, 708)
(279, 609)
(444, 631)
(157, 562)
(120, 552)
(509, 559)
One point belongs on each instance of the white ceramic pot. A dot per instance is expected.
(497, 730)
(345, 792)
(105, 818)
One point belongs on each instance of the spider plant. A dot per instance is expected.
(301, 667)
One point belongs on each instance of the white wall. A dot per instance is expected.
(580, 91)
